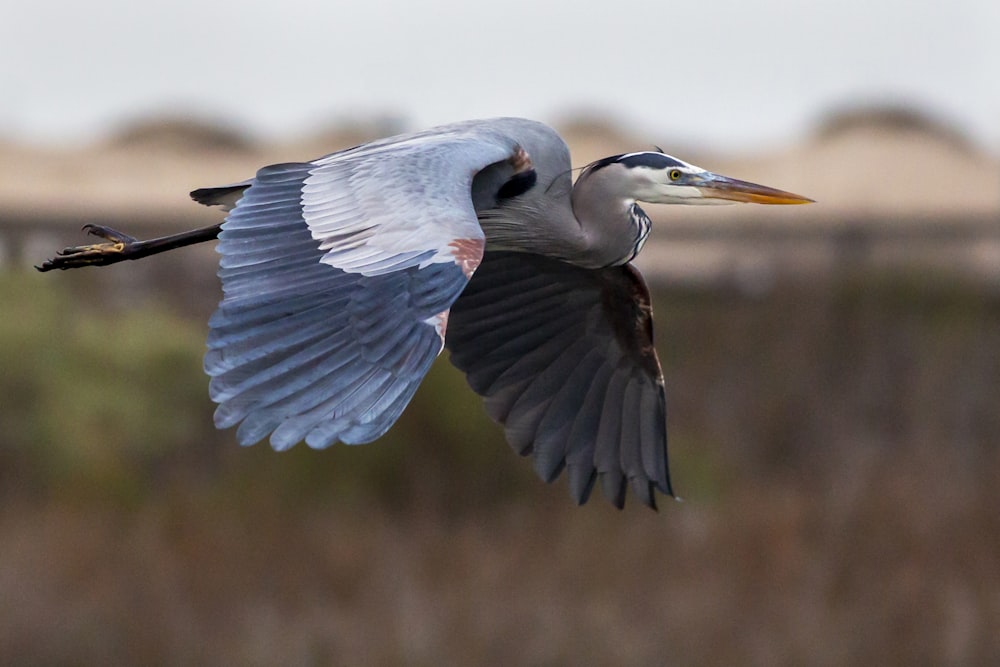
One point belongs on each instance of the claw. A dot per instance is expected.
(95, 254)
(113, 235)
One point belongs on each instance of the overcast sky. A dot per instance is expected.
(727, 73)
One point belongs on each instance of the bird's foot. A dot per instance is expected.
(117, 249)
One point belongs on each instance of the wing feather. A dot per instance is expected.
(552, 442)
(338, 276)
(564, 359)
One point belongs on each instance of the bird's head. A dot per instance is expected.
(658, 178)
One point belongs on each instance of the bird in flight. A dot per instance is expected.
(345, 277)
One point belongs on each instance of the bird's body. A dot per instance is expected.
(345, 277)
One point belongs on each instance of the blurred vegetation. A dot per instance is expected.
(91, 401)
(888, 116)
(110, 402)
(837, 443)
(181, 133)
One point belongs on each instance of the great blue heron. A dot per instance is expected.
(345, 277)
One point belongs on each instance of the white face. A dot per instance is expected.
(658, 178)
(675, 185)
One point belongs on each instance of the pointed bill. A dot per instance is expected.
(715, 186)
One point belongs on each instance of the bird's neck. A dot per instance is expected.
(587, 224)
(608, 220)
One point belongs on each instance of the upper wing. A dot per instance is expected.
(337, 276)
(564, 358)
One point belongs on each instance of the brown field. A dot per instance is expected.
(836, 445)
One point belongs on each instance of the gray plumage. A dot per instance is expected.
(564, 358)
(329, 285)
(345, 277)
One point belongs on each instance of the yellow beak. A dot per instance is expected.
(714, 186)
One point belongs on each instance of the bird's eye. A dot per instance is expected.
(675, 174)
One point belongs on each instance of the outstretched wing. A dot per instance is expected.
(338, 276)
(564, 359)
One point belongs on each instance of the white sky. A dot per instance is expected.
(729, 73)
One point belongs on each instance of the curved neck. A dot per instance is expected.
(603, 211)
(588, 223)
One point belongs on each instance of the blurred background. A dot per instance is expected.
(833, 371)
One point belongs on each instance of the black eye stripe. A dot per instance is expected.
(632, 160)
(651, 160)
